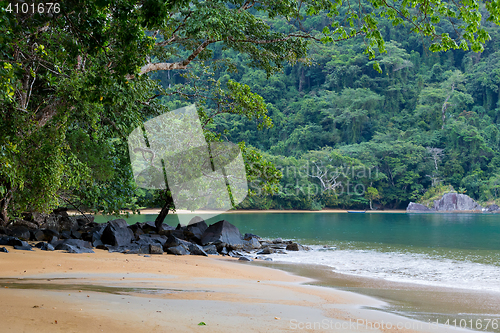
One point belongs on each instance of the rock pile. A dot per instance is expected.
(80, 234)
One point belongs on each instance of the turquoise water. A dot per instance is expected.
(453, 231)
(448, 250)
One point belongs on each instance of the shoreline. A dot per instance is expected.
(47, 292)
(156, 211)
(249, 211)
(412, 300)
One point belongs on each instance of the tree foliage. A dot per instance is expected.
(75, 82)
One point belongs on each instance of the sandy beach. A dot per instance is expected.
(112, 292)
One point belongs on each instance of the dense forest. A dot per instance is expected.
(332, 105)
(427, 121)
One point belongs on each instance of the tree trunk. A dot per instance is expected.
(301, 78)
(4, 203)
(371, 208)
(163, 213)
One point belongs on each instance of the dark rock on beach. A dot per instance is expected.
(80, 234)
(210, 249)
(173, 241)
(12, 241)
(224, 233)
(117, 233)
(155, 249)
(251, 242)
(20, 232)
(3, 249)
(196, 250)
(178, 250)
(25, 247)
(173, 245)
(195, 231)
(74, 246)
(45, 246)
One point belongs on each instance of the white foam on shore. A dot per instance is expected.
(401, 267)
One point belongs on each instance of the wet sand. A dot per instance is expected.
(417, 301)
(112, 292)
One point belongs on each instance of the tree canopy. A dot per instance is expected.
(77, 80)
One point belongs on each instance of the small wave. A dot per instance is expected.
(402, 267)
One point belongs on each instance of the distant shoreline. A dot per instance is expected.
(154, 211)
(257, 211)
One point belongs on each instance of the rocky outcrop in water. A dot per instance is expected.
(415, 207)
(449, 202)
(492, 209)
(456, 202)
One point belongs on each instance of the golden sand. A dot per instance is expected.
(113, 292)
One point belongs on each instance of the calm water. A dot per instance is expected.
(448, 250)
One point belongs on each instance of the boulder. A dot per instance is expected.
(4, 250)
(415, 207)
(224, 233)
(243, 258)
(65, 234)
(296, 247)
(491, 208)
(54, 241)
(251, 244)
(196, 250)
(249, 236)
(49, 234)
(95, 234)
(173, 241)
(127, 249)
(37, 235)
(267, 250)
(210, 249)
(76, 234)
(20, 232)
(25, 247)
(155, 249)
(83, 220)
(45, 246)
(66, 222)
(12, 241)
(150, 227)
(74, 246)
(195, 231)
(151, 239)
(456, 202)
(117, 233)
(177, 233)
(178, 250)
